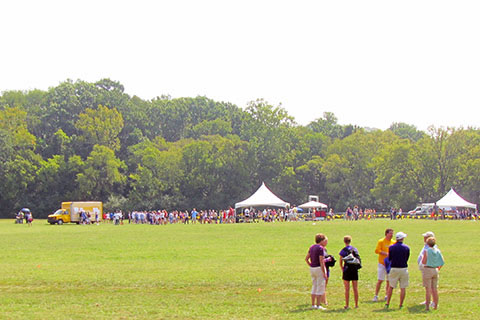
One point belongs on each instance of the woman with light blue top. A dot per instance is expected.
(432, 261)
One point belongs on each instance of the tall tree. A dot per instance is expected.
(103, 175)
(100, 126)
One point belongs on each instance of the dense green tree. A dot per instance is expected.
(349, 171)
(313, 179)
(102, 174)
(406, 131)
(18, 160)
(215, 170)
(211, 127)
(100, 126)
(268, 131)
(396, 179)
(327, 125)
(155, 181)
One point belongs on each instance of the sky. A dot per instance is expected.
(371, 63)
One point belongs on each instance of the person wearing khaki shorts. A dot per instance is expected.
(432, 261)
(398, 254)
(400, 276)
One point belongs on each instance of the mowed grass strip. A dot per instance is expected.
(240, 271)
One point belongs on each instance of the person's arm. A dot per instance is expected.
(341, 262)
(378, 249)
(307, 259)
(443, 260)
(424, 258)
(322, 264)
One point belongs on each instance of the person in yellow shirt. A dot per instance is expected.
(382, 251)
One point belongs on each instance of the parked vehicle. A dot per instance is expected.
(71, 212)
(427, 208)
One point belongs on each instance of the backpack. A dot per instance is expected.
(353, 259)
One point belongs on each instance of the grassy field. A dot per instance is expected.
(241, 271)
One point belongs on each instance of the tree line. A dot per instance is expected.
(92, 141)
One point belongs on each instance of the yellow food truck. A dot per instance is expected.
(71, 212)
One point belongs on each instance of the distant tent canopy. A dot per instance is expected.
(452, 199)
(312, 205)
(263, 197)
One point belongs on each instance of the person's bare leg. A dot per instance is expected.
(435, 297)
(427, 297)
(403, 292)
(389, 294)
(313, 299)
(325, 302)
(378, 286)
(346, 285)
(355, 292)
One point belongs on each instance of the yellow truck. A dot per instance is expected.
(71, 212)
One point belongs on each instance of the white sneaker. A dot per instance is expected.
(432, 304)
(423, 303)
(375, 299)
(321, 308)
(313, 307)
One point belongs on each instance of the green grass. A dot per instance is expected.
(242, 271)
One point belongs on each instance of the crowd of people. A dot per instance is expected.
(358, 213)
(163, 217)
(393, 256)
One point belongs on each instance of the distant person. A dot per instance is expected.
(194, 215)
(382, 251)
(432, 261)
(348, 214)
(398, 254)
(349, 270)
(315, 260)
(29, 218)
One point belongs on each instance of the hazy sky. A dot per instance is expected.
(371, 63)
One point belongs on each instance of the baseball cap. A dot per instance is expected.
(428, 234)
(400, 235)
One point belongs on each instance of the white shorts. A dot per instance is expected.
(318, 281)
(382, 272)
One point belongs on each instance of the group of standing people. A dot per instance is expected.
(358, 214)
(27, 215)
(393, 256)
(319, 262)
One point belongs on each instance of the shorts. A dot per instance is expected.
(318, 281)
(350, 273)
(398, 275)
(382, 272)
(430, 277)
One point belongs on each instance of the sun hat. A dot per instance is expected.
(400, 235)
(428, 234)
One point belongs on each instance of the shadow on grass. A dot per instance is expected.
(417, 309)
(303, 308)
(306, 308)
(414, 309)
(384, 310)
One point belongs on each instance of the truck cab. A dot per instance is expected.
(60, 216)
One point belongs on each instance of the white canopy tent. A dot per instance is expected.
(452, 199)
(263, 197)
(313, 204)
